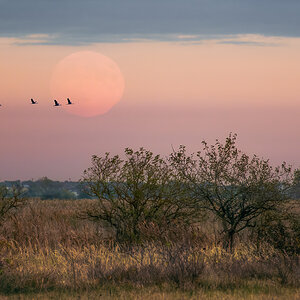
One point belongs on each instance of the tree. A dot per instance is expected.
(296, 177)
(236, 188)
(10, 200)
(134, 193)
(45, 188)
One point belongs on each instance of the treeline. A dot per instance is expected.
(45, 188)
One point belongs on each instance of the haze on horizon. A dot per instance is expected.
(192, 71)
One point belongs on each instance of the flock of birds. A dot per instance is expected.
(69, 102)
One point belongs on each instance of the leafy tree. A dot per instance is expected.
(133, 193)
(46, 188)
(235, 187)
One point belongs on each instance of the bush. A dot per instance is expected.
(136, 193)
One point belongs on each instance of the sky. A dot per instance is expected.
(192, 71)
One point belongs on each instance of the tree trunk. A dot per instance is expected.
(231, 240)
(229, 243)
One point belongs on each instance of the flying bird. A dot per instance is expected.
(56, 103)
(33, 102)
(69, 101)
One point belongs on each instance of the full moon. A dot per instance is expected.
(92, 81)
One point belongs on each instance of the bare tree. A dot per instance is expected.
(10, 200)
(233, 186)
(134, 192)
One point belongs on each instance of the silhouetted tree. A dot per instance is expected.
(236, 188)
(134, 192)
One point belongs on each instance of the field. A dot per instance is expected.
(46, 251)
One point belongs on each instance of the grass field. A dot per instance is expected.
(47, 252)
(168, 293)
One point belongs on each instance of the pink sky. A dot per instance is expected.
(175, 93)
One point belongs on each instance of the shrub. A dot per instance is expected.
(136, 193)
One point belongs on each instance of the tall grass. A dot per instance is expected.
(46, 247)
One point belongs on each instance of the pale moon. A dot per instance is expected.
(92, 81)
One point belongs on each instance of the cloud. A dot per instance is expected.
(234, 39)
(79, 22)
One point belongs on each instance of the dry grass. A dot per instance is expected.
(46, 223)
(46, 251)
(153, 293)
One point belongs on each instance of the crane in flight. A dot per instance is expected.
(69, 101)
(33, 102)
(56, 103)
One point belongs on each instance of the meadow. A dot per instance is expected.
(48, 251)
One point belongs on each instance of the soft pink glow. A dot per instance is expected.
(92, 80)
(175, 94)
